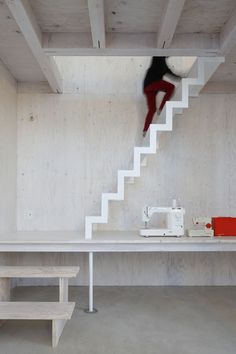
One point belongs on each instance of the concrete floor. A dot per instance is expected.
(140, 320)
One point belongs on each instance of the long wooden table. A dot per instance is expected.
(108, 241)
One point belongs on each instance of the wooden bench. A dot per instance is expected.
(58, 312)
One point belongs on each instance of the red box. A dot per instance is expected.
(224, 226)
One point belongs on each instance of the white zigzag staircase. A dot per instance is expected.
(200, 73)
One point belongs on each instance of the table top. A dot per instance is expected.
(109, 241)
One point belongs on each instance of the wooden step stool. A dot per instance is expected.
(58, 312)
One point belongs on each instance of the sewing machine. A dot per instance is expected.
(174, 221)
(203, 227)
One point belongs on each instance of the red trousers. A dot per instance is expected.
(150, 92)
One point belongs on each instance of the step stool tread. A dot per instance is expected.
(38, 272)
(36, 310)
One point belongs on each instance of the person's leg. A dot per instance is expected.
(168, 88)
(150, 93)
(151, 103)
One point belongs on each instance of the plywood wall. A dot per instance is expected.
(8, 100)
(140, 269)
(69, 150)
(195, 164)
(70, 147)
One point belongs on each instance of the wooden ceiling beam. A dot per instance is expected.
(25, 19)
(97, 23)
(130, 44)
(228, 35)
(170, 19)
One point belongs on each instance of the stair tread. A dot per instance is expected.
(36, 310)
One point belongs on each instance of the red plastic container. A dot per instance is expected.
(224, 226)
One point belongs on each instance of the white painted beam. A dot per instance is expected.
(23, 14)
(131, 44)
(228, 35)
(170, 19)
(97, 22)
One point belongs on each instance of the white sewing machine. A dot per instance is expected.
(203, 227)
(174, 221)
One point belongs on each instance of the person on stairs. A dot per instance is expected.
(154, 83)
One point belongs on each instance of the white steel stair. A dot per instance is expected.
(200, 73)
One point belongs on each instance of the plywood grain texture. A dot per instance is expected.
(38, 272)
(129, 24)
(14, 50)
(195, 16)
(141, 269)
(36, 310)
(132, 16)
(71, 148)
(8, 99)
(194, 164)
(62, 16)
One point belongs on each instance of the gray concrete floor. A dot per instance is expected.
(140, 320)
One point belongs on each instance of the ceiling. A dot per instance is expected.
(205, 16)
(14, 51)
(113, 27)
(61, 15)
(131, 16)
